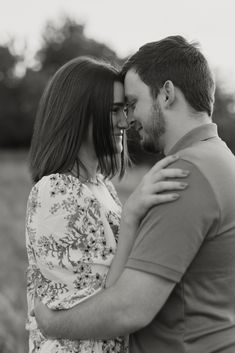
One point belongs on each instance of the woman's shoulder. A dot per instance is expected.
(56, 193)
(58, 182)
(57, 185)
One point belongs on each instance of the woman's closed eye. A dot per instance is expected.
(116, 110)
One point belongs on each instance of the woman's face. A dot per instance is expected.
(119, 121)
(119, 118)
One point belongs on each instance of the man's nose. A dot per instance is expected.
(130, 118)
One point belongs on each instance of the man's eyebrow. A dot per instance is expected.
(129, 98)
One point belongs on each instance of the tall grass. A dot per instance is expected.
(14, 189)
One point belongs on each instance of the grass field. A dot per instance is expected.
(15, 185)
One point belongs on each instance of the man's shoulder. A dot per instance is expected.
(210, 150)
(209, 156)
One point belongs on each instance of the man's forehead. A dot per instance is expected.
(131, 83)
(132, 76)
(134, 86)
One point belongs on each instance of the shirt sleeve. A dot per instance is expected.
(171, 234)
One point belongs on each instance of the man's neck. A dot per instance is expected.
(175, 133)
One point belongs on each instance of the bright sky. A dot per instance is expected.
(125, 25)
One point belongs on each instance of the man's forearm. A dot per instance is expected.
(126, 307)
(101, 317)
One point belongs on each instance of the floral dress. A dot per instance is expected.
(71, 237)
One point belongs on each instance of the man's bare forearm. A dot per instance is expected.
(126, 307)
(103, 316)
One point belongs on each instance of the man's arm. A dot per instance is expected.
(127, 306)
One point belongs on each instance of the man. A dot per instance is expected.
(177, 292)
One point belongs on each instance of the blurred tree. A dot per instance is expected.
(224, 116)
(18, 100)
(29, 91)
(19, 97)
(66, 42)
(8, 62)
(9, 108)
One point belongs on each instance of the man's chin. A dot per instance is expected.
(150, 147)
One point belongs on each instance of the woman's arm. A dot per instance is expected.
(147, 194)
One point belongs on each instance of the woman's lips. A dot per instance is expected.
(119, 134)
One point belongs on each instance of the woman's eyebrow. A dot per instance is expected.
(118, 104)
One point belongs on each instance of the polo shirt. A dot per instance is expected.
(192, 242)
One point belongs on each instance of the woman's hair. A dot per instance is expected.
(79, 94)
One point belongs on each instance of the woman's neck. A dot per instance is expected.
(89, 159)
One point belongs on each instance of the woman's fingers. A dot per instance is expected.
(169, 173)
(162, 186)
(163, 163)
(158, 199)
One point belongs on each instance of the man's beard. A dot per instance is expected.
(152, 142)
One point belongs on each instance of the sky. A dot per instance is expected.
(125, 25)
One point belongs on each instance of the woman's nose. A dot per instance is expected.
(130, 119)
(123, 122)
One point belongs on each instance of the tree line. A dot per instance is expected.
(19, 96)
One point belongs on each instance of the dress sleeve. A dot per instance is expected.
(69, 242)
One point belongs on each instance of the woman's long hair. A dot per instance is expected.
(79, 94)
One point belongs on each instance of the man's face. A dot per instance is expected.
(144, 112)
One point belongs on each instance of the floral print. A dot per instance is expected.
(71, 235)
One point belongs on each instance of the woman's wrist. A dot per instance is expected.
(129, 215)
(129, 221)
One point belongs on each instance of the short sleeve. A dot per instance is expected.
(171, 234)
(69, 243)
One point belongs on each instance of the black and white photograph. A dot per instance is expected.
(117, 176)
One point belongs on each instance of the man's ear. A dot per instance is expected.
(168, 92)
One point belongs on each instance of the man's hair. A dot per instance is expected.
(175, 59)
(79, 94)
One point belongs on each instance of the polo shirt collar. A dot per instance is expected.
(201, 133)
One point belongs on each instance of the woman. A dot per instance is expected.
(73, 213)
